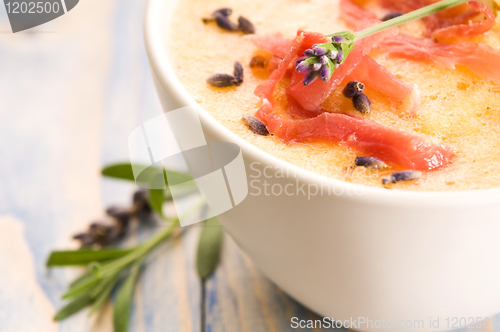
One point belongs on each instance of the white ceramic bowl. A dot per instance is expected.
(378, 254)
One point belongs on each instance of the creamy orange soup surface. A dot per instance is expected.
(457, 107)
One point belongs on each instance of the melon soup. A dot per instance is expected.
(451, 104)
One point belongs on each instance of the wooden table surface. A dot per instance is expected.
(71, 91)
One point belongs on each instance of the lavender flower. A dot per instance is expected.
(402, 176)
(322, 59)
(370, 162)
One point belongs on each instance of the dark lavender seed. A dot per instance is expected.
(402, 176)
(104, 233)
(140, 201)
(238, 72)
(362, 103)
(224, 23)
(390, 16)
(223, 12)
(140, 196)
(353, 88)
(219, 12)
(222, 80)
(245, 25)
(370, 162)
(101, 229)
(122, 215)
(256, 125)
(86, 239)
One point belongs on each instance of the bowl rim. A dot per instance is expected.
(155, 20)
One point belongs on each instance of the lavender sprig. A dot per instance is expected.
(322, 59)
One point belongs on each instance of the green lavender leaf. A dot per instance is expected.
(97, 283)
(74, 306)
(83, 278)
(94, 292)
(123, 171)
(156, 198)
(123, 302)
(209, 247)
(176, 178)
(82, 288)
(84, 256)
(102, 293)
(119, 171)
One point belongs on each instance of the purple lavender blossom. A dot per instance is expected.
(339, 39)
(322, 59)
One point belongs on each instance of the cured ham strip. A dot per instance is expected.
(355, 16)
(368, 71)
(390, 145)
(265, 89)
(450, 24)
(311, 96)
(467, 30)
(381, 80)
(368, 137)
(275, 44)
(479, 58)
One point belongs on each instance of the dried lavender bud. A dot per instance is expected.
(362, 103)
(353, 88)
(309, 52)
(140, 196)
(238, 72)
(402, 176)
(104, 233)
(141, 208)
(140, 201)
(245, 25)
(339, 39)
(390, 16)
(370, 162)
(256, 125)
(122, 215)
(304, 66)
(258, 61)
(222, 80)
(223, 11)
(224, 23)
(324, 73)
(219, 12)
(86, 239)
